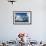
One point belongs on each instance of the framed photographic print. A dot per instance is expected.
(22, 17)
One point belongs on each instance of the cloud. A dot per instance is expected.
(19, 18)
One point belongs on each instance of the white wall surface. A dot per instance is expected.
(8, 31)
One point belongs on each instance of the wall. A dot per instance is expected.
(9, 31)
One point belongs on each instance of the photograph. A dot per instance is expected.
(22, 17)
(22, 22)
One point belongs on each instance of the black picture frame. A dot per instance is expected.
(22, 17)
